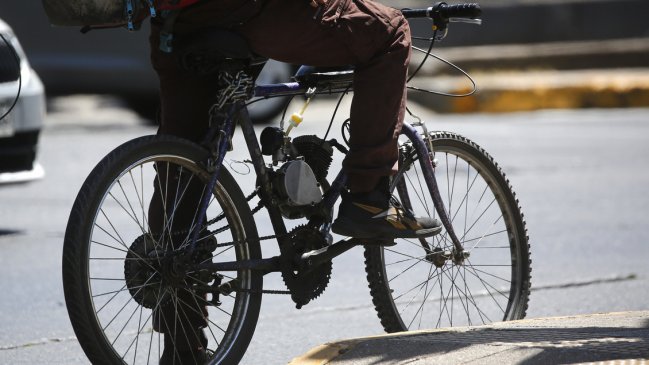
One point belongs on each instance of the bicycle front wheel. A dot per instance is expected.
(131, 294)
(421, 283)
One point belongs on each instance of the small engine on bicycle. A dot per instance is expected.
(298, 184)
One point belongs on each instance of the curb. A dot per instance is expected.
(329, 352)
(527, 91)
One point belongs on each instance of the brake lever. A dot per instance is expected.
(465, 20)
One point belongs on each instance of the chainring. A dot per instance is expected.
(304, 285)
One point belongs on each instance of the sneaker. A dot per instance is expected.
(377, 216)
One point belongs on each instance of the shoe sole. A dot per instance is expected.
(344, 228)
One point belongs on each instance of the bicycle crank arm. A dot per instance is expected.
(307, 260)
(314, 258)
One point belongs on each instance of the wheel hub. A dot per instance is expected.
(439, 257)
(174, 270)
(148, 271)
(142, 272)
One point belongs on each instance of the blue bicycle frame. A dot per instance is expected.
(223, 131)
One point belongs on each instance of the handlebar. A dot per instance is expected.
(442, 13)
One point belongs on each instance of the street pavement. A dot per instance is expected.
(581, 177)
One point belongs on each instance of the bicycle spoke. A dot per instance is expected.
(487, 235)
(419, 284)
(403, 254)
(148, 356)
(473, 301)
(450, 200)
(131, 214)
(465, 199)
(108, 246)
(445, 302)
(426, 294)
(109, 300)
(208, 320)
(125, 324)
(465, 303)
(479, 217)
(194, 333)
(485, 284)
(129, 301)
(135, 340)
(470, 295)
(492, 275)
(128, 249)
(478, 203)
(423, 200)
(140, 197)
(137, 337)
(404, 271)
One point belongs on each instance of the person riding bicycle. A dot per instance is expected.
(372, 37)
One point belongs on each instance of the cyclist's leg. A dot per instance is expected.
(374, 38)
(185, 102)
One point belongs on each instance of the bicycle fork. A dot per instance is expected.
(425, 160)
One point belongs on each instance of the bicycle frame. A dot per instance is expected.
(238, 112)
(441, 14)
(188, 277)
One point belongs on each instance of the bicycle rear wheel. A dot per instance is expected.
(417, 283)
(122, 273)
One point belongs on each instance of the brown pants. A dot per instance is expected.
(374, 38)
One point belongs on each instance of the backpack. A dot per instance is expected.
(107, 13)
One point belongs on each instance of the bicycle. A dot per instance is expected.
(119, 276)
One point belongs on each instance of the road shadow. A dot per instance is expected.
(9, 232)
(528, 346)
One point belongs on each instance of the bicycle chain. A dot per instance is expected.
(255, 210)
(239, 87)
(218, 218)
(264, 291)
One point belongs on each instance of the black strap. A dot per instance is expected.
(166, 33)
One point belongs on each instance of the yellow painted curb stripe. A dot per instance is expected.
(323, 354)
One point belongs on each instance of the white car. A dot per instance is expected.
(22, 110)
(111, 61)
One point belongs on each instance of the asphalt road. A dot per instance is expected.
(581, 177)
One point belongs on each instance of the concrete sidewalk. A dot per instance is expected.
(559, 340)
